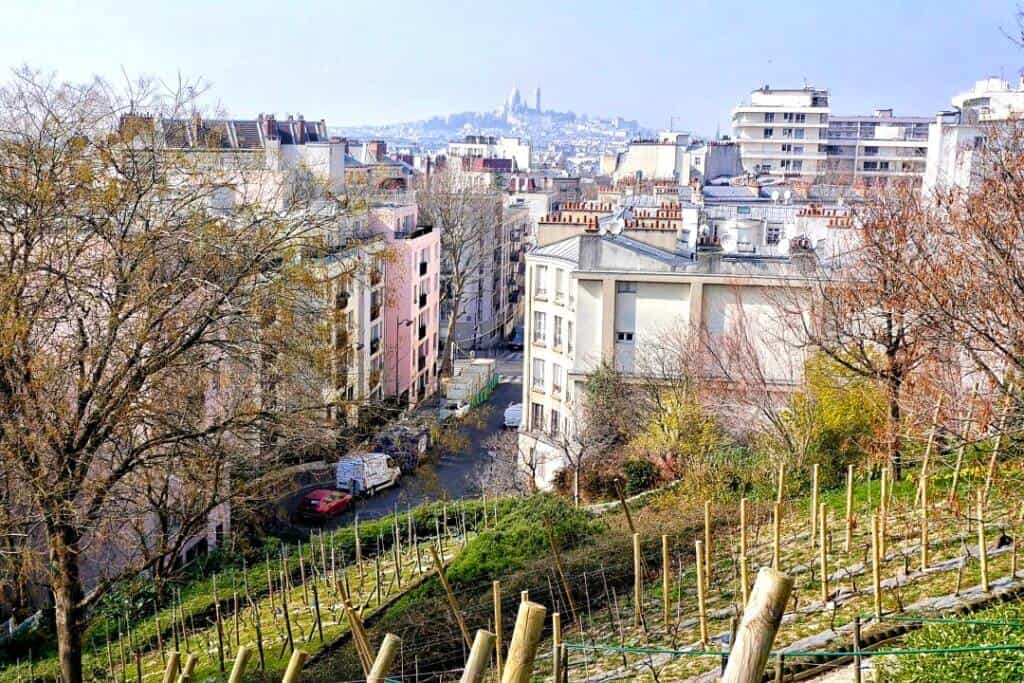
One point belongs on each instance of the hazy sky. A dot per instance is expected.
(374, 61)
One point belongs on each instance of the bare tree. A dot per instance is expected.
(512, 469)
(466, 215)
(145, 332)
(862, 313)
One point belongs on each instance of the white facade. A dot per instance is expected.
(877, 146)
(488, 147)
(782, 132)
(955, 137)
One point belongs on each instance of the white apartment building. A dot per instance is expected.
(782, 132)
(878, 146)
(490, 147)
(612, 293)
(954, 137)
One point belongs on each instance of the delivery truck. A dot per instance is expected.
(364, 474)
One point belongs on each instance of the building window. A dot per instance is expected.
(773, 233)
(568, 336)
(537, 381)
(557, 342)
(556, 378)
(540, 281)
(625, 337)
(787, 147)
(787, 132)
(536, 416)
(870, 165)
(539, 325)
(555, 422)
(798, 134)
(800, 118)
(798, 149)
(769, 117)
(623, 287)
(769, 132)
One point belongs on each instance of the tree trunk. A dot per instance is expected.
(67, 595)
(895, 386)
(449, 342)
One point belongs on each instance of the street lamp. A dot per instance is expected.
(398, 322)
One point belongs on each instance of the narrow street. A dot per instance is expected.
(454, 475)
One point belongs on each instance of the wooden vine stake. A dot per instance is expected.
(479, 655)
(995, 448)
(701, 602)
(385, 658)
(561, 570)
(823, 551)
(928, 451)
(525, 638)
(744, 578)
(814, 503)
(883, 511)
(190, 666)
(756, 632)
(707, 545)
(963, 445)
(666, 572)
(556, 647)
(452, 604)
(876, 569)
(982, 547)
(782, 482)
(496, 589)
(776, 536)
(848, 541)
(638, 583)
(923, 492)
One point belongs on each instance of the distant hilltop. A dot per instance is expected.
(516, 116)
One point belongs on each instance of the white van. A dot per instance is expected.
(366, 473)
(514, 415)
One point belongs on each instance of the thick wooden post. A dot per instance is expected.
(291, 674)
(883, 512)
(982, 548)
(638, 583)
(876, 569)
(666, 571)
(823, 551)
(190, 666)
(525, 638)
(496, 589)
(561, 570)
(171, 670)
(701, 602)
(928, 451)
(756, 633)
(849, 509)
(479, 655)
(776, 536)
(744, 577)
(385, 658)
(814, 504)
(241, 661)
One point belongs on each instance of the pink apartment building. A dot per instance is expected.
(411, 307)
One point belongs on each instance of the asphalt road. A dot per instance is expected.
(454, 475)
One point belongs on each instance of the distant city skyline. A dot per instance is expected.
(369, 63)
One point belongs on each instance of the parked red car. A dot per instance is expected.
(321, 504)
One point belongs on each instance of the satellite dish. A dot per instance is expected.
(775, 195)
(786, 195)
